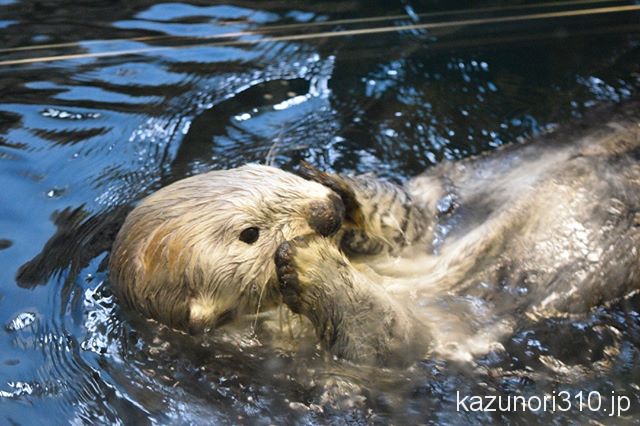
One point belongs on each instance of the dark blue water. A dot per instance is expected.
(103, 102)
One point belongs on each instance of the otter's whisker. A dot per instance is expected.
(273, 151)
(290, 326)
(255, 322)
(280, 320)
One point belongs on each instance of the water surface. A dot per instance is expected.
(102, 103)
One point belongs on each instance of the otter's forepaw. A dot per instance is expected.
(288, 276)
(354, 318)
(300, 265)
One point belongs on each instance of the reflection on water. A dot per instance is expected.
(82, 139)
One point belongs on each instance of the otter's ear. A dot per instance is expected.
(339, 185)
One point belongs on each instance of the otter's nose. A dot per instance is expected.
(325, 217)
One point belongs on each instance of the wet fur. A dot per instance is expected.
(178, 258)
(541, 228)
(354, 318)
(550, 227)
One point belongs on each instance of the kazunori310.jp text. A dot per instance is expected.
(612, 403)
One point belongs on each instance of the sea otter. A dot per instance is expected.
(386, 272)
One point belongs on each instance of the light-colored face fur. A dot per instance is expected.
(179, 257)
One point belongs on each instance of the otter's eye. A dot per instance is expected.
(250, 235)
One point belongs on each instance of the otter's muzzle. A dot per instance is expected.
(325, 217)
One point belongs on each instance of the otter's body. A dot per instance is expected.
(550, 227)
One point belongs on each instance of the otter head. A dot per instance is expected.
(200, 251)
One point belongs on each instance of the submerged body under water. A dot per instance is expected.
(83, 139)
